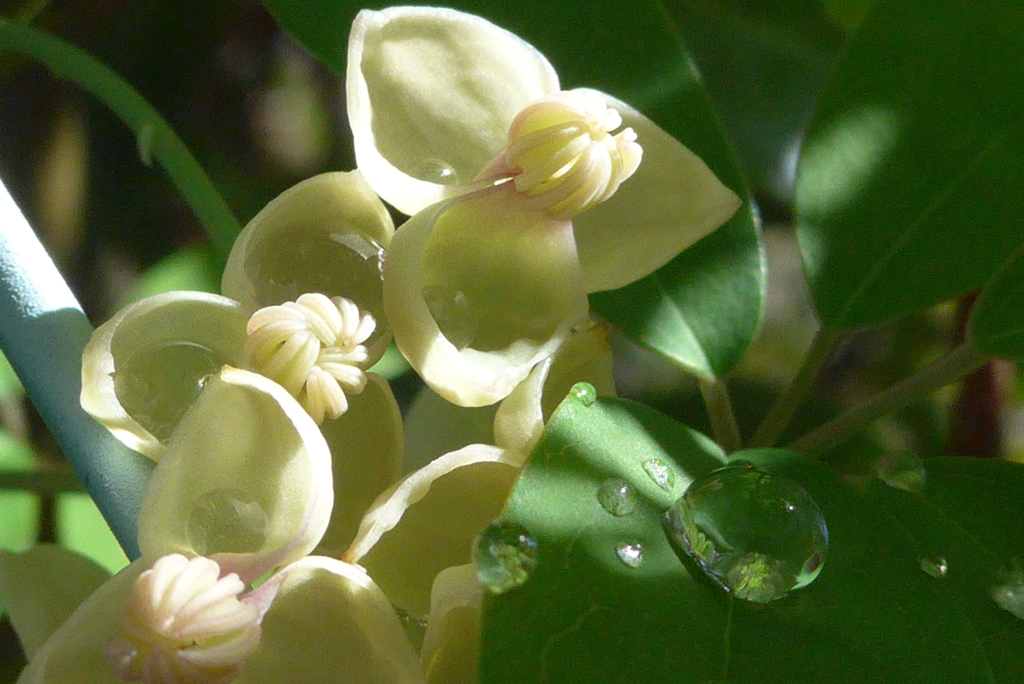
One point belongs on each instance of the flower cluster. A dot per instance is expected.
(274, 440)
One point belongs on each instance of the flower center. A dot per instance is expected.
(184, 624)
(565, 155)
(313, 347)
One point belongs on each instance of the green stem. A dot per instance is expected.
(961, 361)
(781, 412)
(723, 420)
(43, 332)
(155, 137)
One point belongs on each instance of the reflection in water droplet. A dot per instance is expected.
(453, 313)
(435, 170)
(226, 521)
(630, 554)
(156, 386)
(584, 393)
(934, 566)
(1009, 595)
(505, 555)
(661, 473)
(902, 470)
(617, 496)
(757, 535)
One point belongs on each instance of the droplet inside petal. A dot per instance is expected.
(226, 521)
(453, 313)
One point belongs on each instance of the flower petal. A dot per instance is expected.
(367, 454)
(585, 356)
(671, 201)
(451, 646)
(431, 93)
(434, 426)
(41, 587)
(245, 480)
(503, 281)
(143, 368)
(74, 653)
(326, 234)
(328, 622)
(427, 522)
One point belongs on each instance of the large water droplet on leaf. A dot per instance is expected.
(632, 555)
(226, 521)
(453, 313)
(661, 473)
(505, 554)
(584, 393)
(617, 496)
(156, 386)
(756, 534)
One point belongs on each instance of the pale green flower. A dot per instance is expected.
(524, 197)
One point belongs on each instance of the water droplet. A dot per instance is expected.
(435, 170)
(630, 554)
(661, 473)
(617, 496)
(1009, 595)
(934, 566)
(226, 521)
(505, 555)
(453, 313)
(902, 470)
(756, 534)
(584, 393)
(157, 385)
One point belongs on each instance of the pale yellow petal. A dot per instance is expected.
(451, 645)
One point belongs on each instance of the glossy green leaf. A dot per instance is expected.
(902, 190)
(873, 615)
(81, 528)
(703, 308)
(996, 324)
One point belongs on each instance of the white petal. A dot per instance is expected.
(451, 646)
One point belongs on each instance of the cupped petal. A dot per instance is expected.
(451, 645)
(143, 369)
(427, 522)
(671, 201)
(585, 356)
(327, 234)
(42, 587)
(328, 622)
(435, 426)
(478, 290)
(367, 447)
(246, 480)
(431, 93)
(74, 653)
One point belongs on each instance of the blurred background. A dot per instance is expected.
(260, 114)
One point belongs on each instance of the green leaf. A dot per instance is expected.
(82, 529)
(901, 191)
(996, 325)
(873, 615)
(703, 308)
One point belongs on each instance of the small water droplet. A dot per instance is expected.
(435, 170)
(157, 385)
(661, 473)
(617, 496)
(505, 554)
(755, 534)
(902, 470)
(1009, 594)
(453, 313)
(631, 555)
(226, 521)
(584, 393)
(934, 566)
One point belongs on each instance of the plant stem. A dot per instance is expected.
(723, 420)
(43, 332)
(156, 139)
(781, 412)
(949, 368)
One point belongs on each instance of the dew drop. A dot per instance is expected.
(934, 566)
(435, 170)
(617, 496)
(157, 385)
(226, 521)
(902, 470)
(632, 555)
(584, 393)
(661, 473)
(453, 313)
(1009, 595)
(755, 534)
(505, 555)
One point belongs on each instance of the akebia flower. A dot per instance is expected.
(524, 197)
